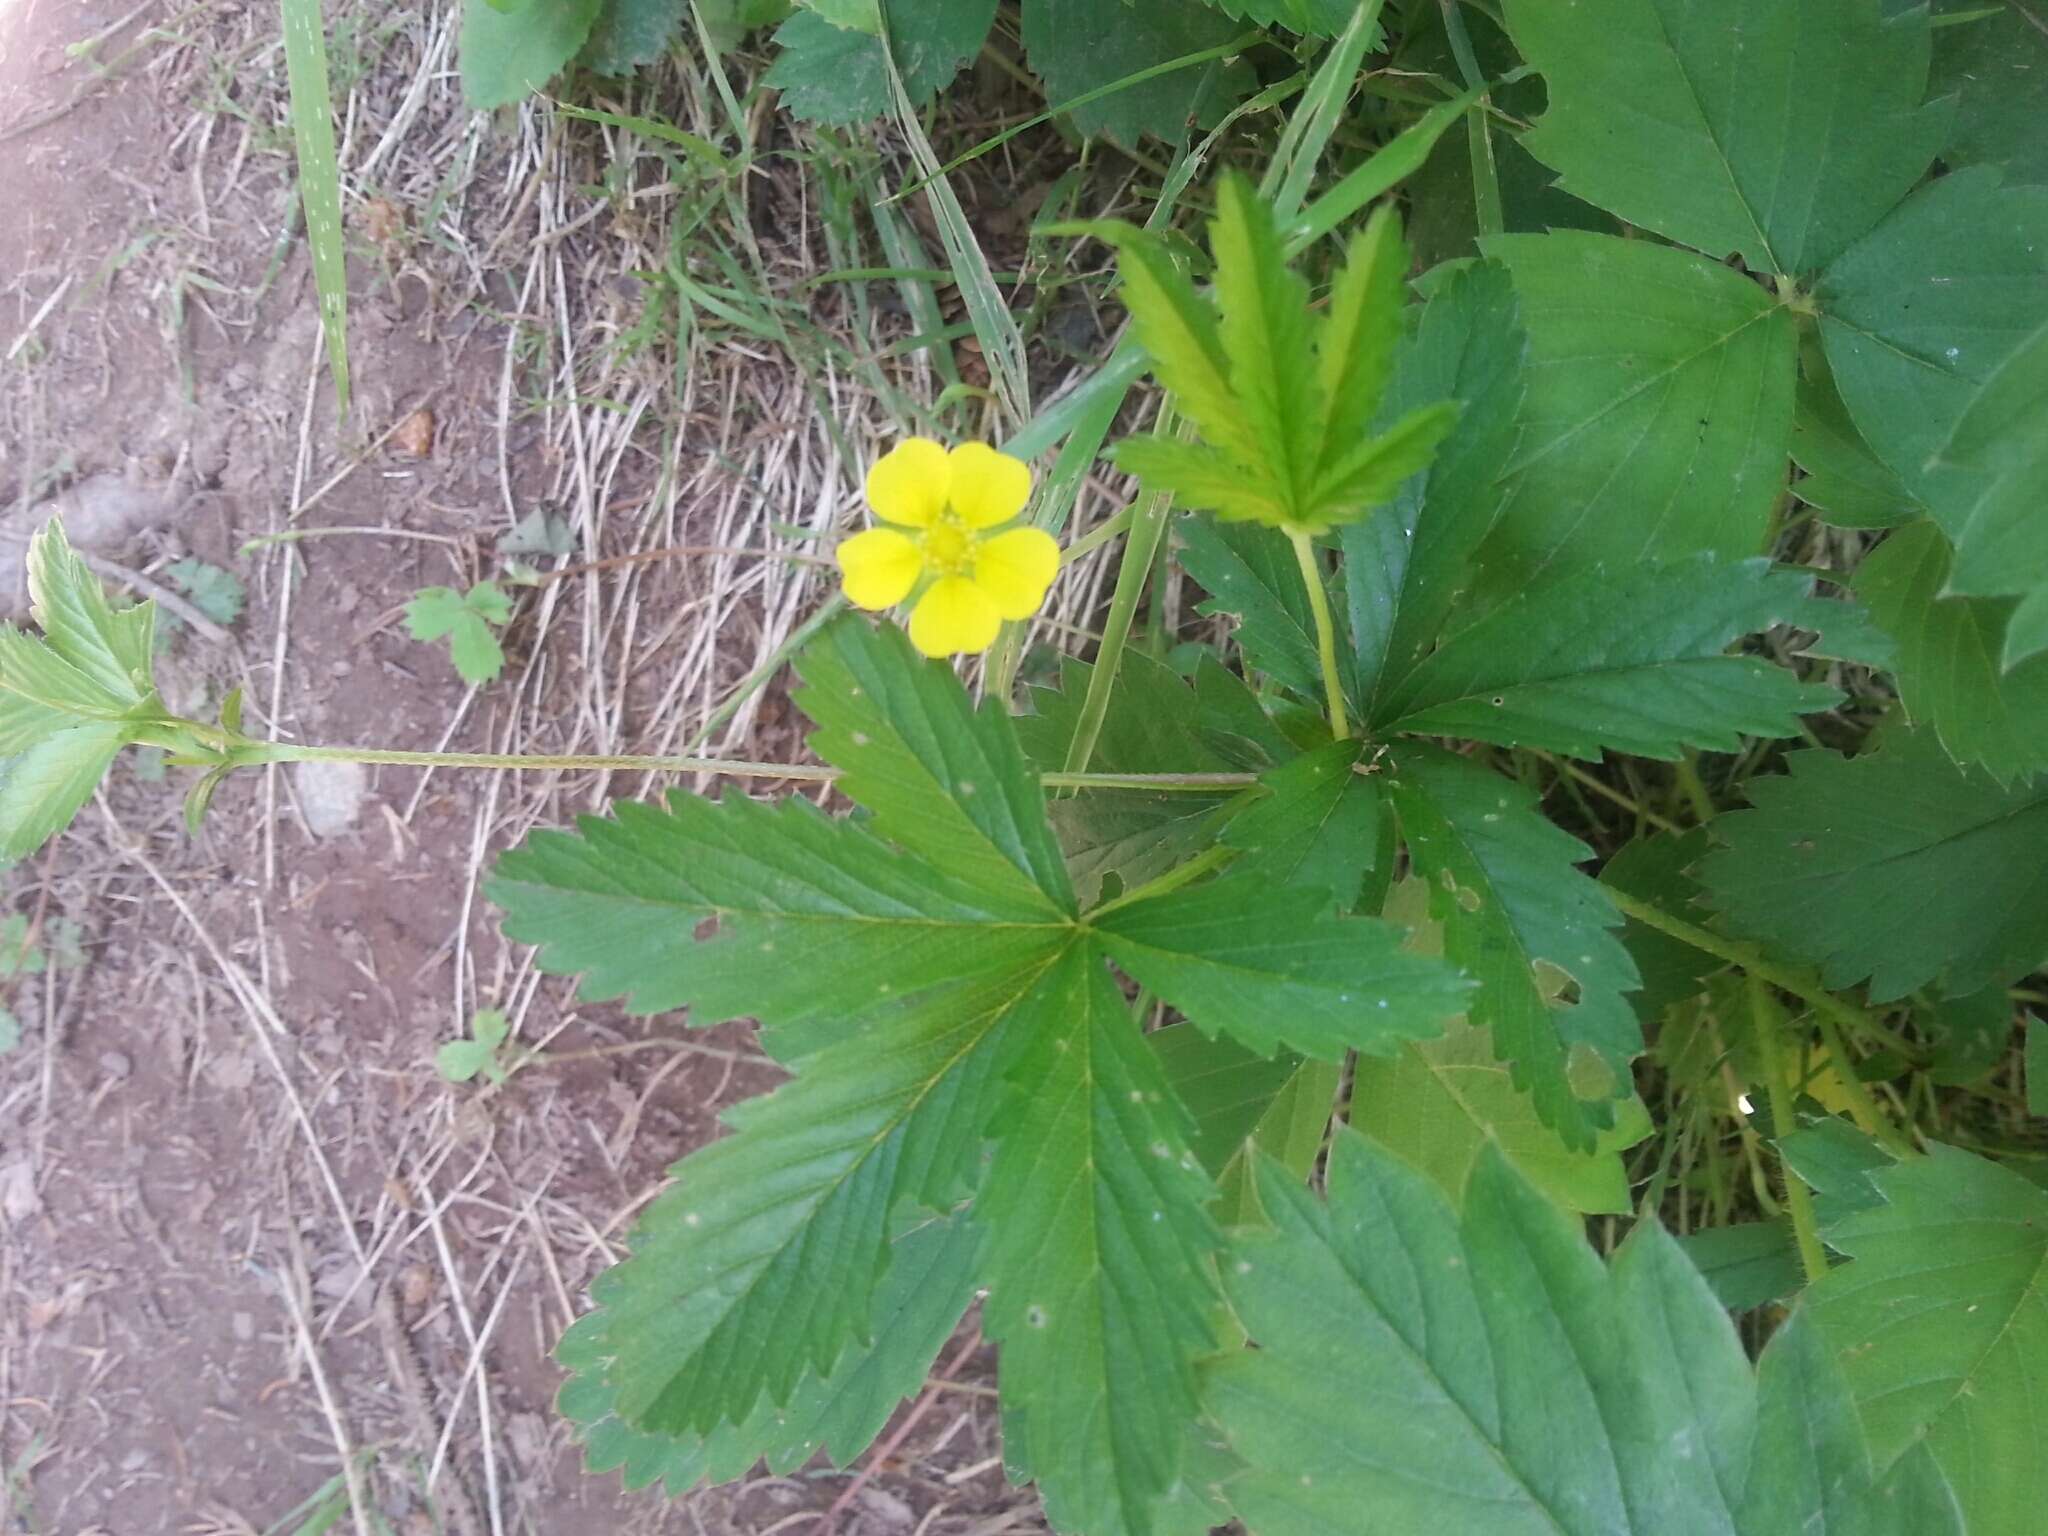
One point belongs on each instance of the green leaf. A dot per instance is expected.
(1251, 574)
(1659, 407)
(1314, 824)
(943, 779)
(217, 593)
(1844, 480)
(1276, 376)
(760, 1263)
(41, 693)
(1919, 314)
(1495, 1379)
(795, 897)
(1997, 512)
(464, 621)
(1533, 932)
(1704, 123)
(114, 649)
(1998, 64)
(1658, 870)
(1628, 660)
(461, 1060)
(1750, 1264)
(630, 33)
(836, 75)
(509, 53)
(1078, 46)
(1275, 967)
(1319, 18)
(929, 1281)
(1948, 667)
(1438, 1104)
(1355, 344)
(1225, 1089)
(1940, 1322)
(1896, 867)
(319, 173)
(1405, 568)
(1153, 725)
(1100, 1288)
(2037, 1068)
(42, 789)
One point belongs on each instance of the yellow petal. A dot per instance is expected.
(880, 567)
(1015, 568)
(988, 487)
(955, 616)
(908, 484)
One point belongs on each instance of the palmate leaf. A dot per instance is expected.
(1940, 1322)
(1495, 1379)
(927, 1286)
(1896, 867)
(1098, 1261)
(1629, 660)
(1778, 132)
(1534, 933)
(1659, 407)
(760, 1263)
(1948, 667)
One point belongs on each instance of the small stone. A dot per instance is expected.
(116, 1064)
(331, 795)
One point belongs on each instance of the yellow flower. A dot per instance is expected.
(952, 501)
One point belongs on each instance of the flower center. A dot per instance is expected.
(948, 546)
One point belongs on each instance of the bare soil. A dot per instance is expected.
(253, 1250)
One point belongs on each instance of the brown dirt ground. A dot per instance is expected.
(247, 1235)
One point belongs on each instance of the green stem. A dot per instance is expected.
(1141, 548)
(1176, 877)
(1829, 1010)
(1095, 538)
(289, 752)
(1770, 1022)
(1326, 632)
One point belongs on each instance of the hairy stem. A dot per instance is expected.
(1829, 1011)
(289, 752)
(1770, 1024)
(1326, 632)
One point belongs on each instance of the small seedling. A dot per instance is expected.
(59, 945)
(461, 1060)
(214, 591)
(466, 621)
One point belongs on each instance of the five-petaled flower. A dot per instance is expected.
(950, 504)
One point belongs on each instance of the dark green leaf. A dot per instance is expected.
(1534, 933)
(1658, 870)
(1920, 313)
(1315, 824)
(1098, 1270)
(1750, 1264)
(1705, 123)
(630, 33)
(1406, 567)
(759, 1265)
(509, 53)
(1998, 64)
(1659, 408)
(1495, 1379)
(1844, 480)
(929, 1281)
(943, 779)
(1996, 509)
(1629, 660)
(1251, 574)
(1940, 1322)
(1948, 666)
(1079, 46)
(1276, 967)
(1896, 867)
(835, 75)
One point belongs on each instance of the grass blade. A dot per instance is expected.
(305, 59)
(1294, 162)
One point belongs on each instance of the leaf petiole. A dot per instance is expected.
(1326, 632)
